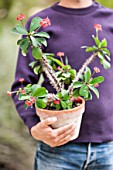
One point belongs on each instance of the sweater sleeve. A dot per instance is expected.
(23, 70)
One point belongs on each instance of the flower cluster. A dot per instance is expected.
(98, 27)
(45, 22)
(69, 84)
(20, 17)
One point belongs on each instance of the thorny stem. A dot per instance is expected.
(81, 70)
(50, 74)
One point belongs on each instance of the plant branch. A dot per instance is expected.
(81, 70)
(50, 74)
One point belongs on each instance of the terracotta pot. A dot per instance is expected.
(64, 117)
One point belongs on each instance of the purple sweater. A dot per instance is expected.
(71, 29)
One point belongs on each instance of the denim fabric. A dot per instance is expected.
(74, 156)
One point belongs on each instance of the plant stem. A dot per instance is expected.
(50, 74)
(81, 70)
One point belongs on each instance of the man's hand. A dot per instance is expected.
(52, 137)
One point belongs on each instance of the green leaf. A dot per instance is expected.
(40, 103)
(21, 30)
(100, 55)
(76, 93)
(66, 67)
(29, 85)
(41, 41)
(23, 97)
(36, 69)
(35, 87)
(66, 60)
(34, 41)
(24, 44)
(35, 23)
(67, 81)
(106, 51)
(14, 30)
(97, 41)
(42, 34)
(89, 96)
(94, 90)
(37, 53)
(84, 91)
(24, 53)
(66, 75)
(73, 73)
(87, 74)
(63, 92)
(40, 92)
(90, 49)
(49, 54)
(84, 47)
(98, 79)
(103, 43)
(108, 58)
(105, 63)
(32, 64)
(59, 95)
(66, 97)
(56, 61)
(63, 104)
(25, 106)
(77, 84)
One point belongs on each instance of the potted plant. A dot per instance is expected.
(72, 88)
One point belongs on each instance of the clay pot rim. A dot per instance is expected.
(65, 111)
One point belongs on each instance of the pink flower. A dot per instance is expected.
(9, 93)
(20, 17)
(21, 80)
(98, 27)
(96, 69)
(23, 92)
(60, 54)
(32, 99)
(59, 68)
(56, 101)
(78, 100)
(28, 103)
(45, 22)
(96, 85)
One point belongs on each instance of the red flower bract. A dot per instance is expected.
(21, 80)
(23, 92)
(8, 93)
(98, 27)
(96, 85)
(59, 68)
(56, 101)
(28, 103)
(45, 22)
(78, 100)
(96, 69)
(60, 54)
(32, 99)
(20, 17)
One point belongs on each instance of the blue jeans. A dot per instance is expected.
(74, 156)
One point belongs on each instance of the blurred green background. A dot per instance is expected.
(17, 147)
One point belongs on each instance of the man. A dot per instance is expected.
(72, 27)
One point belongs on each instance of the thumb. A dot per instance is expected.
(48, 121)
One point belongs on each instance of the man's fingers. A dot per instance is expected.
(48, 121)
(68, 132)
(63, 129)
(66, 139)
